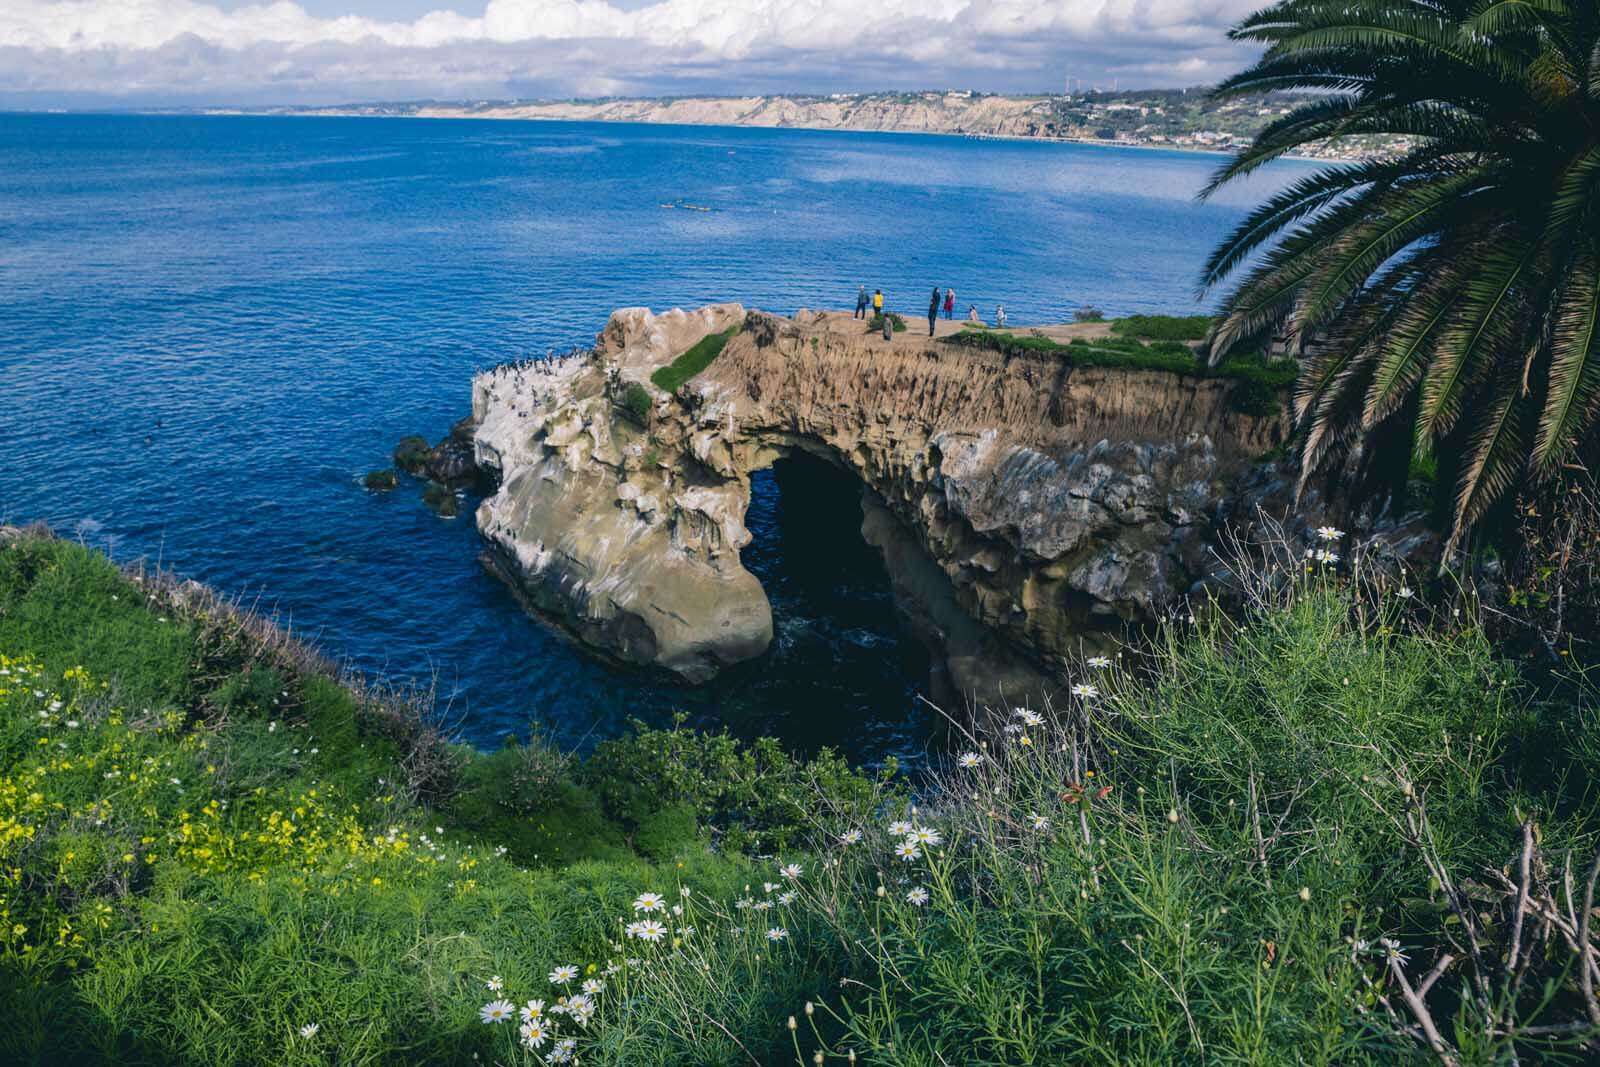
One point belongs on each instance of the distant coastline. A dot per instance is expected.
(1185, 121)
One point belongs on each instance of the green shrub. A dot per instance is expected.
(636, 398)
(897, 323)
(699, 356)
(1163, 327)
(1088, 313)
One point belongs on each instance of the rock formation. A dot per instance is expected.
(1022, 504)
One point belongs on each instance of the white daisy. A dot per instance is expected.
(562, 975)
(650, 930)
(1039, 822)
(777, 933)
(924, 835)
(648, 902)
(1085, 691)
(1329, 533)
(534, 1033)
(1030, 718)
(790, 871)
(899, 828)
(1099, 663)
(532, 1010)
(786, 899)
(593, 986)
(969, 760)
(309, 1030)
(495, 983)
(1404, 592)
(496, 1011)
(850, 837)
(917, 896)
(907, 850)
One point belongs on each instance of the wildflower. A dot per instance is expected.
(1099, 663)
(562, 975)
(850, 837)
(309, 1030)
(1029, 718)
(648, 902)
(776, 934)
(923, 835)
(1085, 691)
(533, 1010)
(969, 760)
(790, 871)
(534, 1033)
(649, 930)
(1305, 893)
(562, 1051)
(1391, 948)
(1329, 533)
(786, 899)
(593, 986)
(496, 1011)
(1323, 555)
(1039, 822)
(907, 850)
(1404, 592)
(899, 828)
(917, 896)
(495, 983)
(767, 887)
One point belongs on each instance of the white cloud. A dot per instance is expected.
(187, 49)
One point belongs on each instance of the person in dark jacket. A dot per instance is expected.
(933, 310)
(861, 303)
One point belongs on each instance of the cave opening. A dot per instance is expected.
(843, 670)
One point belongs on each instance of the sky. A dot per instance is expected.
(238, 52)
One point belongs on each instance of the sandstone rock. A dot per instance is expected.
(1023, 506)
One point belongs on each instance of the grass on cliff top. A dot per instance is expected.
(1260, 380)
(1224, 849)
(699, 356)
(1163, 327)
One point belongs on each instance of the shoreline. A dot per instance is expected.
(456, 117)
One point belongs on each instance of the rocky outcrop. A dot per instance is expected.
(1022, 504)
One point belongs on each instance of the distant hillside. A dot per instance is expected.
(1156, 118)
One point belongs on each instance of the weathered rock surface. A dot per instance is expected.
(1021, 503)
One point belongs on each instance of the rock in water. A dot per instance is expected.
(1020, 502)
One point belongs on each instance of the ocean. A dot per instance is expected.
(212, 327)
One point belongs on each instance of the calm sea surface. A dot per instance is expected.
(210, 328)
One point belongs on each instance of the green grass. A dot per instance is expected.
(209, 839)
(1261, 381)
(1163, 327)
(699, 356)
(636, 398)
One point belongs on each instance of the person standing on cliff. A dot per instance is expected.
(1000, 316)
(877, 301)
(950, 303)
(861, 303)
(933, 310)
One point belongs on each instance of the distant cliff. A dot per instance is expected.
(958, 113)
(1022, 503)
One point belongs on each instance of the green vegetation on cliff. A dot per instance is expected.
(1163, 327)
(1254, 843)
(696, 359)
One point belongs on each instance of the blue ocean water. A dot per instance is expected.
(211, 327)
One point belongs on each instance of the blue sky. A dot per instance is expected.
(323, 51)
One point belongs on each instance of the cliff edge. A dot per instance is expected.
(1023, 504)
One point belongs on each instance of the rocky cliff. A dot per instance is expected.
(1022, 504)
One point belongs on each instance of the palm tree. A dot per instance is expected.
(1450, 290)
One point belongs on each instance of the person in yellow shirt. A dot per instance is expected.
(877, 301)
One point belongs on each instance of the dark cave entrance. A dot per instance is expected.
(843, 670)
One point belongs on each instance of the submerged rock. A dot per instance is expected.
(1022, 504)
(381, 481)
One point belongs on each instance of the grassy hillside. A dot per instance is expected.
(1254, 843)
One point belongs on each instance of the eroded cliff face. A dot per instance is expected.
(1022, 505)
